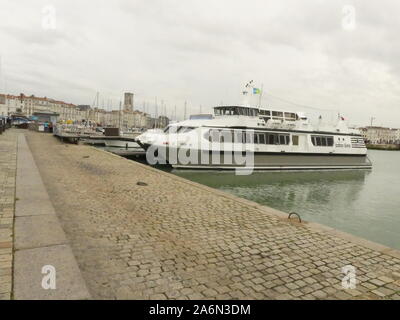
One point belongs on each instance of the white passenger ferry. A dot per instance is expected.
(278, 140)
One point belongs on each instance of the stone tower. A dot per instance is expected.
(128, 101)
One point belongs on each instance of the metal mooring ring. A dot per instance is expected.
(294, 213)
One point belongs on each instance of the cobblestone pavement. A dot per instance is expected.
(173, 239)
(8, 164)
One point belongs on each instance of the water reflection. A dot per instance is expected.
(288, 191)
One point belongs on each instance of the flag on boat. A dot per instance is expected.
(256, 91)
(341, 117)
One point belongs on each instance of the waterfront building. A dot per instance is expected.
(8, 104)
(28, 105)
(380, 135)
(127, 118)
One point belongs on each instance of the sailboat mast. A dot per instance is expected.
(156, 122)
(119, 116)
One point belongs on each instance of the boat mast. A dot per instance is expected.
(372, 120)
(260, 97)
(119, 116)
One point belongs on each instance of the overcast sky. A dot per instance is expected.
(309, 52)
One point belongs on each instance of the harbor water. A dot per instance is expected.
(363, 203)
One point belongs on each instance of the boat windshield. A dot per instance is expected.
(178, 129)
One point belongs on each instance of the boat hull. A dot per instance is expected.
(263, 160)
(121, 144)
(94, 142)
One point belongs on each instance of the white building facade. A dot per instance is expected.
(128, 118)
(380, 135)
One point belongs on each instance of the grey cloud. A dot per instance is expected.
(203, 51)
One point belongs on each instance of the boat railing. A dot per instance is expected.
(281, 125)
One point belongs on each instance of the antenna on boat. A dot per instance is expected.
(372, 120)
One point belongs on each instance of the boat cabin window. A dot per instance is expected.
(277, 114)
(238, 136)
(271, 138)
(265, 112)
(290, 116)
(235, 111)
(295, 140)
(322, 141)
(221, 136)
